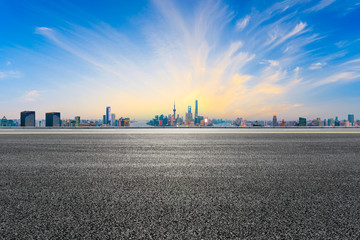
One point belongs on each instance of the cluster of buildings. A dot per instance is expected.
(53, 119)
(331, 122)
(302, 122)
(109, 119)
(176, 120)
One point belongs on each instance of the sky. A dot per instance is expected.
(248, 58)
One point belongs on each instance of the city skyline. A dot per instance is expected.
(109, 117)
(248, 59)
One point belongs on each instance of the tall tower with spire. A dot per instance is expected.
(196, 109)
(174, 110)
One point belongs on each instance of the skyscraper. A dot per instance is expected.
(77, 121)
(196, 109)
(174, 110)
(27, 119)
(188, 116)
(302, 121)
(275, 122)
(351, 119)
(113, 117)
(331, 122)
(108, 115)
(52, 119)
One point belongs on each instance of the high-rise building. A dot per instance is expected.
(351, 119)
(188, 116)
(104, 119)
(52, 119)
(196, 109)
(275, 122)
(108, 115)
(113, 117)
(331, 122)
(77, 121)
(174, 110)
(283, 123)
(27, 119)
(302, 121)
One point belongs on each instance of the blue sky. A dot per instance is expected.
(246, 59)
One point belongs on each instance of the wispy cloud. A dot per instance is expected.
(339, 77)
(184, 55)
(31, 96)
(298, 29)
(357, 60)
(189, 60)
(317, 65)
(242, 23)
(321, 5)
(9, 74)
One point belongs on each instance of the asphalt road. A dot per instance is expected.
(180, 186)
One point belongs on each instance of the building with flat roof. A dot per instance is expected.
(351, 119)
(52, 119)
(302, 121)
(27, 119)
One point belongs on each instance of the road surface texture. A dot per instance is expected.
(166, 185)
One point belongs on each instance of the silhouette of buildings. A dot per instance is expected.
(302, 121)
(27, 119)
(52, 119)
(108, 115)
(351, 119)
(275, 122)
(196, 109)
(77, 121)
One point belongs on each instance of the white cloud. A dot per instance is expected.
(9, 74)
(337, 77)
(317, 65)
(273, 63)
(297, 30)
(190, 61)
(341, 44)
(274, 34)
(242, 23)
(352, 61)
(320, 5)
(31, 96)
(43, 30)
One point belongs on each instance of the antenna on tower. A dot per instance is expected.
(174, 110)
